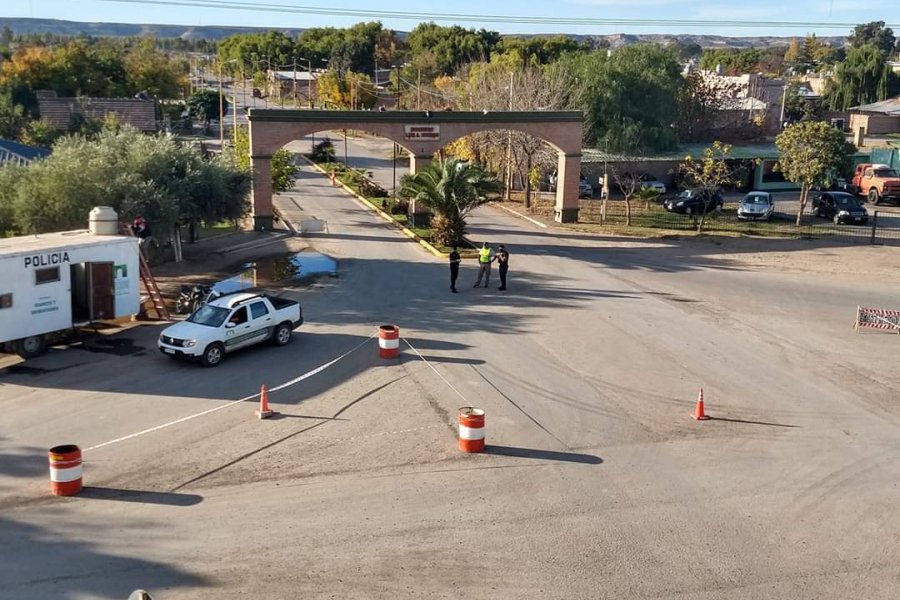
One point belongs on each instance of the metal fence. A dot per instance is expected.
(882, 228)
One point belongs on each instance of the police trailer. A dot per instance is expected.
(51, 282)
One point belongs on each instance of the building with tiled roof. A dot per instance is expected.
(14, 153)
(57, 112)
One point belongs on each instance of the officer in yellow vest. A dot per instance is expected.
(485, 258)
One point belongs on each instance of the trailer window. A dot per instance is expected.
(46, 275)
(5, 301)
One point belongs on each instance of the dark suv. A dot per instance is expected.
(695, 202)
(839, 206)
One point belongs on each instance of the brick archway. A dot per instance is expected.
(422, 133)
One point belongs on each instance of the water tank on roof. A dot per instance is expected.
(103, 220)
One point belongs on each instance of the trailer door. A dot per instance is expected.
(102, 290)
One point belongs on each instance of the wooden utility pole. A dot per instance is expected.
(221, 111)
(509, 143)
(419, 90)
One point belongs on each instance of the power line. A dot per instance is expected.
(506, 19)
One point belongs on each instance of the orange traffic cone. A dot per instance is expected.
(264, 411)
(698, 411)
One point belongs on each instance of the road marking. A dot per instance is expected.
(286, 384)
(526, 217)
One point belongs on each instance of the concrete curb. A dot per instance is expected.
(526, 217)
(406, 231)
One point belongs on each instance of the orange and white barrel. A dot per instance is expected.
(471, 429)
(65, 470)
(388, 341)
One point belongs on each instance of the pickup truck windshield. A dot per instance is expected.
(211, 316)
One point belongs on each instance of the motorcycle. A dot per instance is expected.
(191, 298)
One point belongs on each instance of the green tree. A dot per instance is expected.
(864, 77)
(451, 189)
(632, 100)
(874, 33)
(11, 116)
(709, 174)
(284, 169)
(451, 47)
(151, 71)
(204, 105)
(154, 176)
(810, 153)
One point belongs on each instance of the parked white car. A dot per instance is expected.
(229, 323)
(649, 181)
(756, 206)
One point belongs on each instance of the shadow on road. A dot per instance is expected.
(140, 496)
(574, 457)
(38, 562)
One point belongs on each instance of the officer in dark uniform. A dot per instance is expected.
(454, 268)
(503, 262)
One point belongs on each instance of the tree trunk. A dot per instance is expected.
(804, 192)
(627, 211)
(528, 184)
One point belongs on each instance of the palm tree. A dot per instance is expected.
(451, 189)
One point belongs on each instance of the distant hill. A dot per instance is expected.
(214, 32)
(187, 32)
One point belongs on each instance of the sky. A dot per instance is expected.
(823, 17)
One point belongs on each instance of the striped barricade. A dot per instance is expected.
(388, 341)
(877, 318)
(471, 429)
(65, 470)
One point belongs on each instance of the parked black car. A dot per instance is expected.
(839, 184)
(695, 202)
(840, 207)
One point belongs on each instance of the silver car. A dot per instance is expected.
(756, 206)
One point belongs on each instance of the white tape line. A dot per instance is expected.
(526, 217)
(425, 360)
(232, 403)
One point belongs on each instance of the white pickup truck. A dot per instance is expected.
(229, 323)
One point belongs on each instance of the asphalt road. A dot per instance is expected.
(597, 484)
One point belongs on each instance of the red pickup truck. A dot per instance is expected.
(877, 182)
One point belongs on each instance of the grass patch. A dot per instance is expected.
(208, 230)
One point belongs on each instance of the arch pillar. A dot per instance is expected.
(568, 173)
(262, 213)
(420, 162)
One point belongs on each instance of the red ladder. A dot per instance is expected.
(153, 293)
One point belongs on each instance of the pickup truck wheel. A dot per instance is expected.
(282, 335)
(212, 356)
(873, 196)
(30, 347)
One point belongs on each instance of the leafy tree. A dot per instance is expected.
(11, 116)
(709, 174)
(451, 189)
(149, 70)
(632, 100)
(864, 77)
(539, 50)
(155, 176)
(811, 153)
(451, 46)
(284, 169)
(734, 61)
(874, 33)
(204, 105)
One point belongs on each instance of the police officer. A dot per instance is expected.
(503, 265)
(485, 258)
(454, 268)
